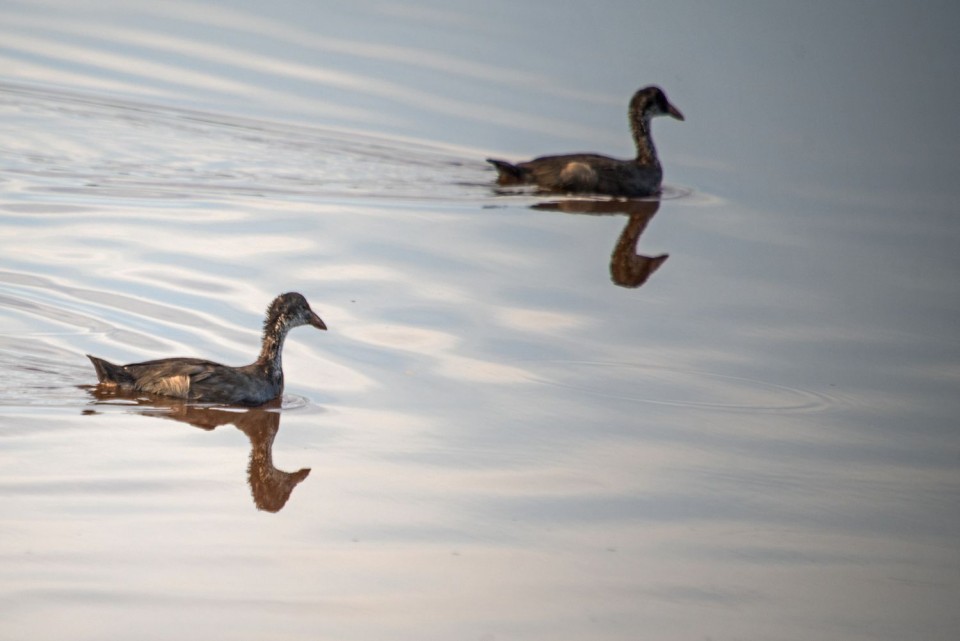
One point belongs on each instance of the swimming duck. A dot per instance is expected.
(601, 174)
(195, 379)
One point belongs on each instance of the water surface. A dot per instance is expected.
(727, 414)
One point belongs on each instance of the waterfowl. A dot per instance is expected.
(204, 381)
(599, 174)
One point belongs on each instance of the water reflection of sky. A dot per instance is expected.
(511, 425)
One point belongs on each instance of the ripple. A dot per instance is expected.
(37, 374)
(675, 192)
(267, 158)
(296, 402)
(677, 387)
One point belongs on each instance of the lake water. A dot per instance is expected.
(524, 422)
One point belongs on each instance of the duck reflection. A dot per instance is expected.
(627, 267)
(271, 488)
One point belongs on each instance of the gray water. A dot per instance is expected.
(524, 422)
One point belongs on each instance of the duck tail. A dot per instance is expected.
(108, 373)
(509, 174)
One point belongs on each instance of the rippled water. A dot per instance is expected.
(730, 413)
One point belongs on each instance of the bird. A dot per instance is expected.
(595, 173)
(203, 381)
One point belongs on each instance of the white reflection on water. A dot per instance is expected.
(273, 67)
(418, 57)
(539, 321)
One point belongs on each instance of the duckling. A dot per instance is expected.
(596, 173)
(203, 381)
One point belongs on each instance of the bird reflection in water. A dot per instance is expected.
(271, 487)
(627, 267)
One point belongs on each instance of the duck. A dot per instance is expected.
(595, 173)
(203, 381)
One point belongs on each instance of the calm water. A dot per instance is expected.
(730, 414)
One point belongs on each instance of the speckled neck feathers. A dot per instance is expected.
(640, 126)
(275, 328)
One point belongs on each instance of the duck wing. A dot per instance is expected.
(593, 173)
(174, 377)
(569, 172)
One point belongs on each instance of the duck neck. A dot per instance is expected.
(646, 152)
(272, 348)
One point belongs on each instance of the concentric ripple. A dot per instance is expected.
(679, 387)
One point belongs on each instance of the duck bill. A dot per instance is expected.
(674, 112)
(316, 321)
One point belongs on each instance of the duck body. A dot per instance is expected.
(204, 381)
(596, 173)
(194, 379)
(583, 173)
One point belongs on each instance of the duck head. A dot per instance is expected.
(291, 310)
(651, 101)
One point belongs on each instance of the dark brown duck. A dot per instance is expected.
(599, 174)
(204, 381)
